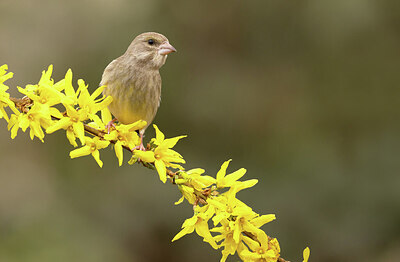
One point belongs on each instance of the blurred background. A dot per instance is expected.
(303, 94)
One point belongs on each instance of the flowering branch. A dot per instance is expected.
(235, 227)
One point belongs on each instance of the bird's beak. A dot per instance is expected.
(166, 48)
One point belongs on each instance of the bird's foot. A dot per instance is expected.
(139, 147)
(110, 125)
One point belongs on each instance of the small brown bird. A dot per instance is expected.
(134, 81)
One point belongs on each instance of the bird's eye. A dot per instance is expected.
(151, 41)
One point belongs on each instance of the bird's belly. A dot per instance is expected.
(132, 104)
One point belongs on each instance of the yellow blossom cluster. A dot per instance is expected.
(235, 225)
(220, 218)
(50, 106)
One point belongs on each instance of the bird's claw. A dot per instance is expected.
(139, 147)
(110, 125)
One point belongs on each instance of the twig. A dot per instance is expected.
(23, 103)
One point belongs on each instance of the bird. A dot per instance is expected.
(133, 81)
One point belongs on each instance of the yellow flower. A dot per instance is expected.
(46, 79)
(306, 254)
(125, 135)
(4, 76)
(235, 218)
(226, 234)
(162, 156)
(35, 119)
(5, 102)
(90, 102)
(92, 146)
(188, 193)
(191, 180)
(72, 123)
(197, 180)
(199, 222)
(264, 250)
(261, 220)
(70, 97)
(4, 96)
(44, 95)
(106, 116)
(230, 180)
(235, 211)
(160, 139)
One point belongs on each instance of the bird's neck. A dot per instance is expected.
(146, 61)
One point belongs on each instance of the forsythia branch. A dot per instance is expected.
(235, 227)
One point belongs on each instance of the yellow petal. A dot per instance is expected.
(23, 122)
(206, 180)
(3, 69)
(135, 126)
(97, 92)
(83, 151)
(36, 130)
(171, 142)
(190, 221)
(3, 113)
(133, 160)
(252, 244)
(69, 90)
(13, 125)
(118, 152)
(306, 254)
(262, 237)
(63, 123)
(251, 256)
(113, 135)
(161, 169)
(195, 171)
(146, 156)
(159, 135)
(203, 231)
(261, 220)
(245, 184)
(79, 130)
(106, 115)
(236, 233)
(54, 112)
(96, 156)
(102, 104)
(217, 218)
(46, 76)
(217, 203)
(221, 173)
(71, 111)
(231, 178)
(71, 138)
(179, 201)
(184, 231)
(11, 105)
(32, 134)
(100, 144)
(14, 131)
(96, 119)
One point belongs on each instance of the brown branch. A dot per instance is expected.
(23, 103)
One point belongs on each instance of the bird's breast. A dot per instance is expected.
(136, 95)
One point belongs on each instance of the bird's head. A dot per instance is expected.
(150, 50)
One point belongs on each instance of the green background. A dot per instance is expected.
(303, 94)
